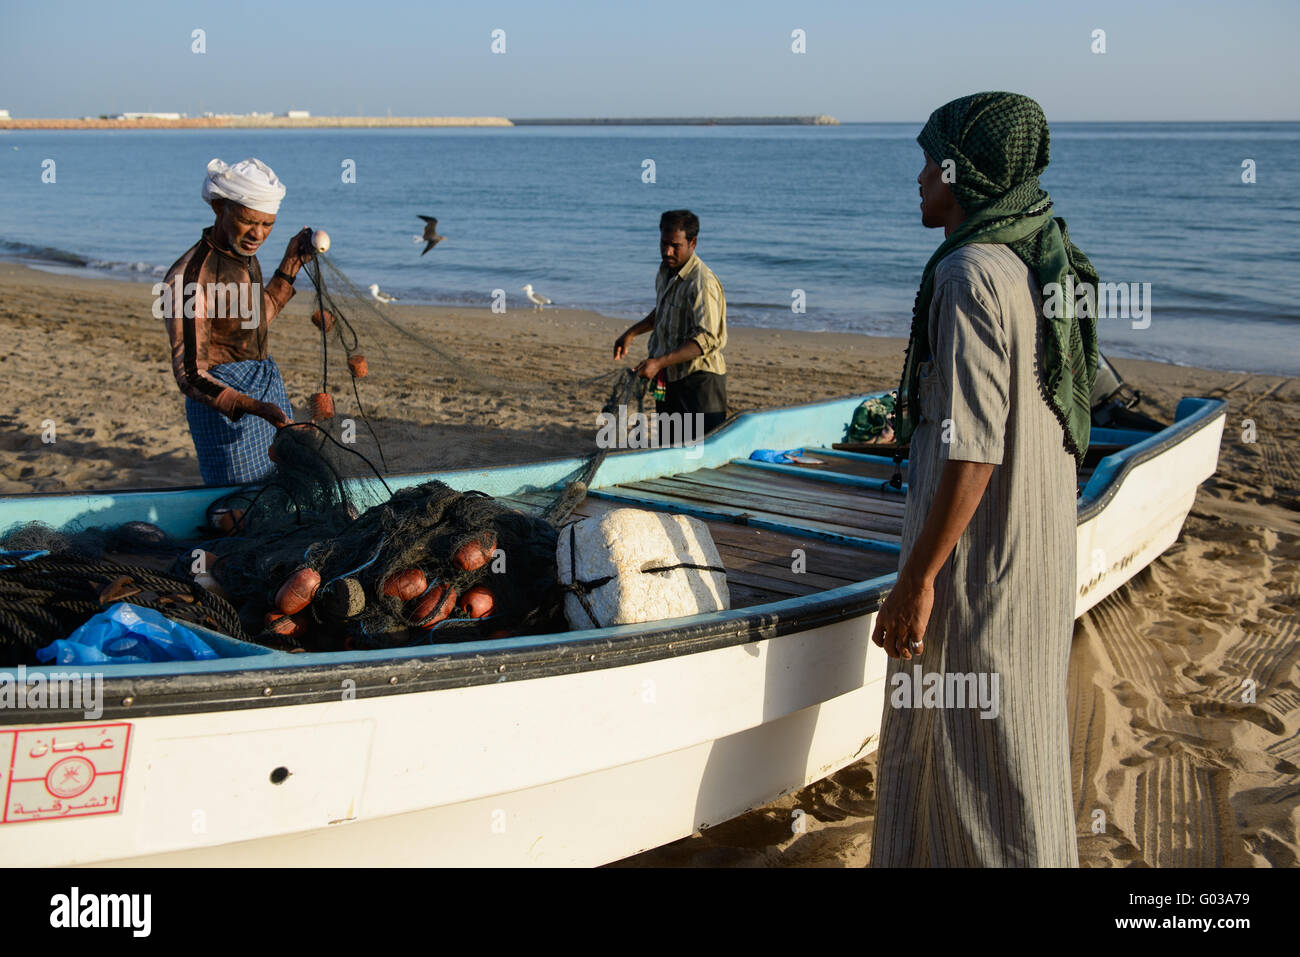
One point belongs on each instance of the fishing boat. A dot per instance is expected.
(575, 748)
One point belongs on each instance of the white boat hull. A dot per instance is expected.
(583, 765)
(473, 777)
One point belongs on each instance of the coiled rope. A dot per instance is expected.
(47, 598)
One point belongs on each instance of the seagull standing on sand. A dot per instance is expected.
(380, 296)
(536, 299)
(430, 235)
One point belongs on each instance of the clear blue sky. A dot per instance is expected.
(866, 60)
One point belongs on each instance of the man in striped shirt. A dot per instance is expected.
(217, 311)
(688, 327)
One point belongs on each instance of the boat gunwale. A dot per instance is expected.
(438, 667)
(219, 491)
(417, 671)
(1110, 472)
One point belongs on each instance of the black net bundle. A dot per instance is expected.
(315, 562)
(308, 569)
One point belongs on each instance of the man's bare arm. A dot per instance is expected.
(641, 328)
(903, 617)
(688, 350)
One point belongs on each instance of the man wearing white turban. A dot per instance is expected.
(217, 321)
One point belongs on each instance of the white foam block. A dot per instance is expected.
(637, 566)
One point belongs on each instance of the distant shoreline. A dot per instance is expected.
(819, 120)
(380, 122)
(253, 123)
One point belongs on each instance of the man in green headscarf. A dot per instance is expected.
(994, 402)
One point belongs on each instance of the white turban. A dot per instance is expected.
(249, 183)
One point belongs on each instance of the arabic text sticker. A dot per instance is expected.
(70, 771)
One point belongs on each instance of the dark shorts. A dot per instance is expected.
(703, 392)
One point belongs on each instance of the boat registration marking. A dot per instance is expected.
(69, 771)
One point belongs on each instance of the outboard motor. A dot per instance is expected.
(1114, 404)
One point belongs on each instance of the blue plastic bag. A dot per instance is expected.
(127, 634)
(780, 458)
(7, 559)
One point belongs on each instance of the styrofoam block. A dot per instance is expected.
(636, 566)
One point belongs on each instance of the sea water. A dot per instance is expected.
(812, 228)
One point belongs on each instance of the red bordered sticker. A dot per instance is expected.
(72, 771)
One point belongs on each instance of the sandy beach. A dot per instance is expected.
(1184, 771)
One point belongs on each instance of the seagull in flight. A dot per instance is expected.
(430, 235)
(380, 296)
(537, 299)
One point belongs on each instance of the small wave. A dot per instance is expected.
(138, 268)
(53, 256)
(50, 254)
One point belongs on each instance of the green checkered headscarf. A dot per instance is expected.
(998, 143)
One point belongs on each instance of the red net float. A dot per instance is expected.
(323, 318)
(477, 602)
(475, 553)
(436, 605)
(357, 366)
(322, 406)
(406, 584)
(297, 591)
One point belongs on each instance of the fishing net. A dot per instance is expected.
(403, 400)
(321, 554)
(428, 564)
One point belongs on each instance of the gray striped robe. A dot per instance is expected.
(969, 784)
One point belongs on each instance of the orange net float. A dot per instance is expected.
(406, 585)
(298, 591)
(439, 602)
(476, 553)
(323, 317)
(357, 366)
(478, 602)
(322, 406)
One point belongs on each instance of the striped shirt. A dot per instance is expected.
(690, 306)
(210, 290)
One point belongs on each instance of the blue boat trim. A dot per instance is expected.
(853, 456)
(825, 475)
(737, 516)
(1192, 415)
(1105, 436)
